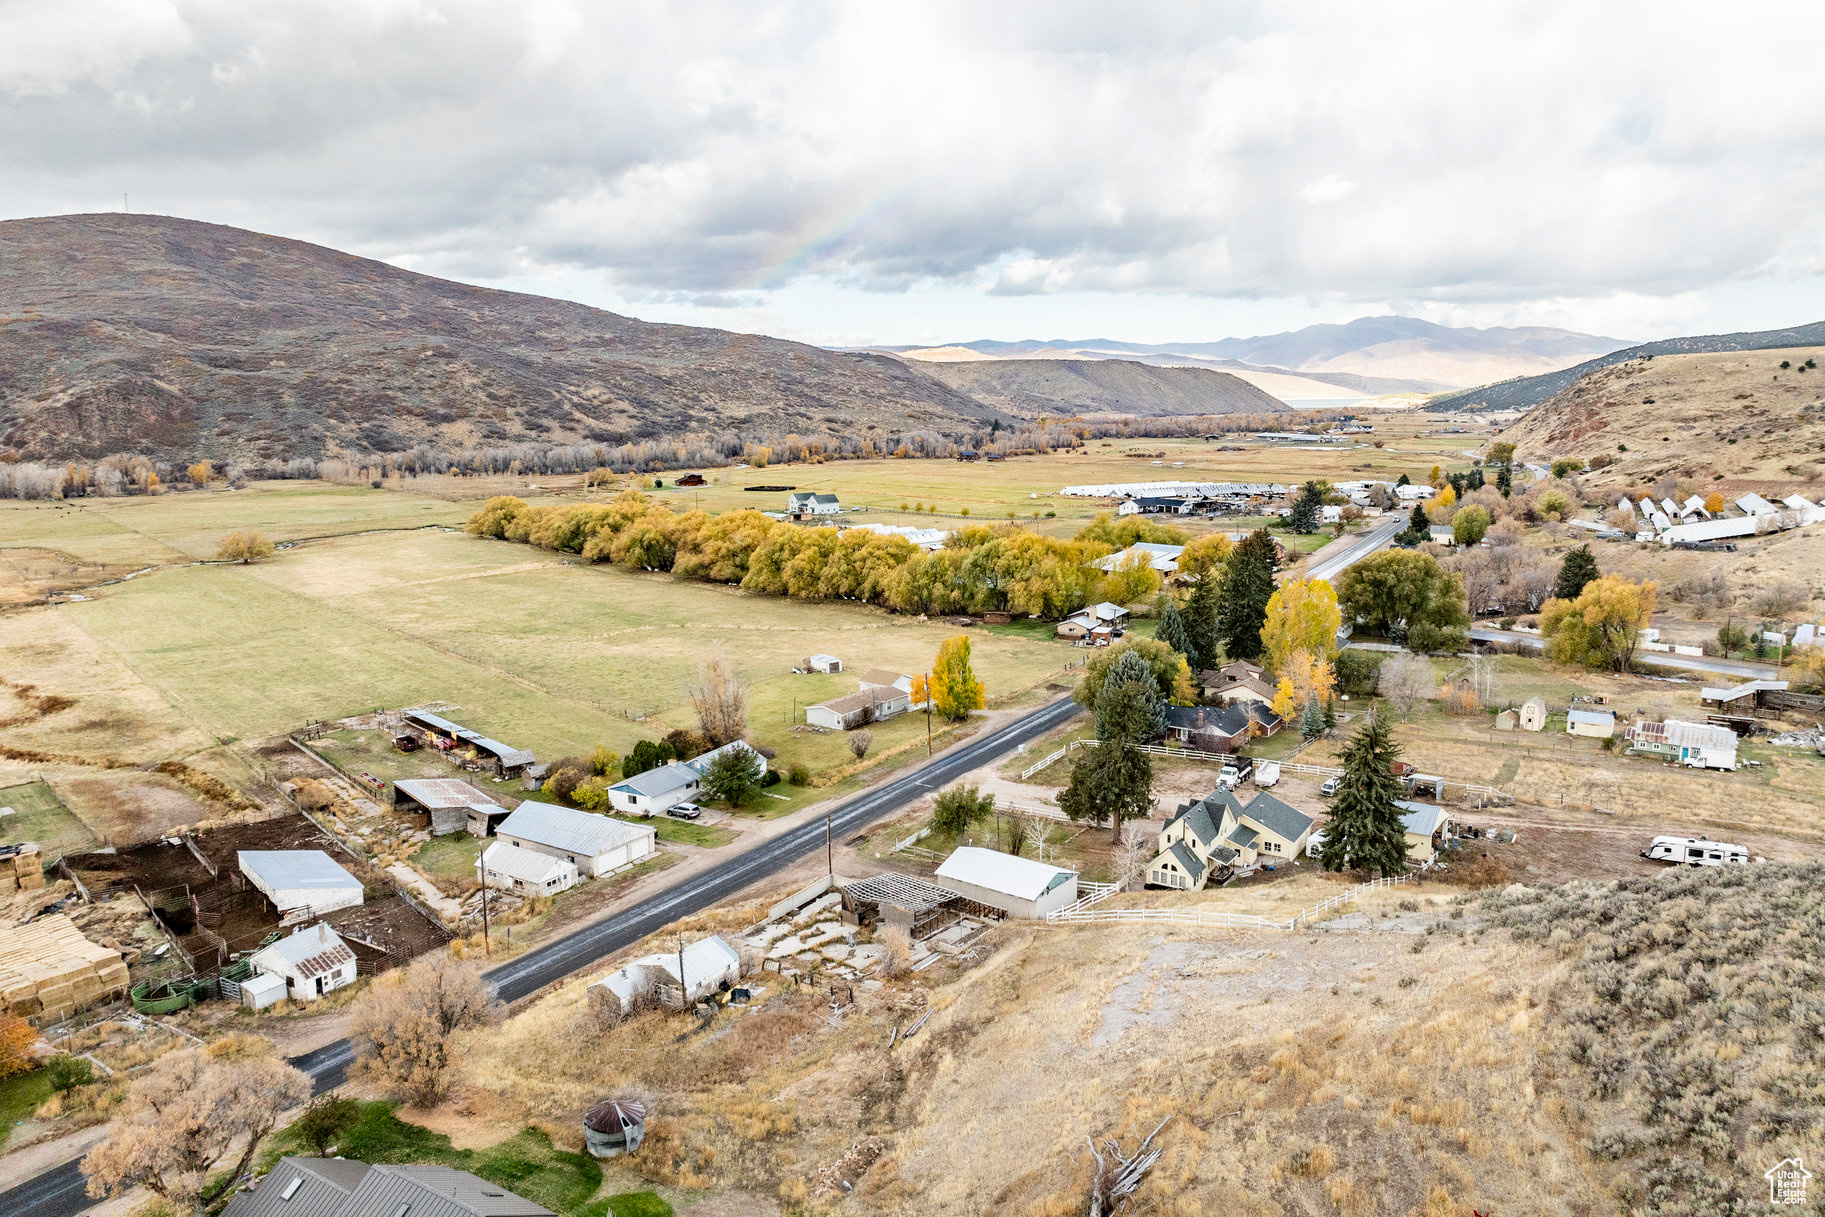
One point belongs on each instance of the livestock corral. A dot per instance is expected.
(215, 915)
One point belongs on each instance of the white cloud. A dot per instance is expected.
(1552, 159)
(1327, 189)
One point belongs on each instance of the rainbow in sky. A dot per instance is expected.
(818, 238)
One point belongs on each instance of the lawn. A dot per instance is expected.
(526, 1164)
(704, 836)
(20, 1096)
(39, 815)
(451, 857)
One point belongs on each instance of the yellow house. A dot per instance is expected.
(1220, 833)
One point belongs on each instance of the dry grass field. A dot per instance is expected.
(1391, 1071)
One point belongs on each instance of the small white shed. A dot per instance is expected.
(824, 663)
(262, 989)
(1019, 887)
(301, 883)
(1533, 714)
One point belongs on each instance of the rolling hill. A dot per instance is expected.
(1368, 356)
(1524, 393)
(1027, 388)
(1731, 420)
(136, 333)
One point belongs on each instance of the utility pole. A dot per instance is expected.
(684, 992)
(829, 841)
(928, 714)
(487, 937)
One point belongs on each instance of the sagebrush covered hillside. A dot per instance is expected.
(131, 333)
(1693, 1020)
(1725, 420)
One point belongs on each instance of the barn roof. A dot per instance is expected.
(312, 951)
(444, 792)
(576, 832)
(1021, 878)
(290, 869)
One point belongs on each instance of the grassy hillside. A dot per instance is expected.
(1723, 420)
(170, 337)
(1524, 393)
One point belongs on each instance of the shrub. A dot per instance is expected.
(959, 807)
(68, 1072)
(798, 775)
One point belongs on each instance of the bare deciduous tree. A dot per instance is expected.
(1136, 849)
(860, 742)
(1019, 830)
(187, 1114)
(404, 1030)
(1407, 680)
(721, 701)
(1782, 597)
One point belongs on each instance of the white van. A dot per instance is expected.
(1695, 851)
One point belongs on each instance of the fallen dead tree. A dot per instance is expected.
(1113, 1179)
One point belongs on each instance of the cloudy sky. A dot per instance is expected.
(914, 173)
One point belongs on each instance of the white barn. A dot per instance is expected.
(312, 962)
(1019, 887)
(594, 844)
(708, 964)
(300, 882)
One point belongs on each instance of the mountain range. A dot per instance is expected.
(1368, 356)
(170, 337)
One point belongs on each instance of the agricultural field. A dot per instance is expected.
(37, 814)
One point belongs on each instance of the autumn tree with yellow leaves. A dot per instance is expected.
(1602, 627)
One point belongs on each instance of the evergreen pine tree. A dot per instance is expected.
(1330, 715)
(1403, 480)
(1172, 629)
(1308, 510)
(1504, 481)
(1365, 830)
(1311, 722)
(1418, 522)
(1110, 783)
(1129, 707)
(1202, 612)
(1578, 569)
(1248, 584)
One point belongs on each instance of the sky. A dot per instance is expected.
(856, 173)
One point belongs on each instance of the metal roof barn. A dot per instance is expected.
(300, 880)
(597, 844)
(1019, 887)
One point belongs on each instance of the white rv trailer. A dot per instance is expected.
(1695, 851)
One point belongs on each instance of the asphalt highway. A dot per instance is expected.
(1365, 544)
(59, 1192)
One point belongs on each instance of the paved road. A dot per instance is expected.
(1742, 669)
(1375, 538)
(59, 1192)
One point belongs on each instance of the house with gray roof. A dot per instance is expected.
(1219, 834)
(811, 503)
(663, 787)
(594, 844)
(340, 1187)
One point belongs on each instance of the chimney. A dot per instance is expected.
(323, 932)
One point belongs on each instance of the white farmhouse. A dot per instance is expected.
(526, 871)
(665, 786)
(812, 503)
(312, 962)
(301, 883)
(594, 844)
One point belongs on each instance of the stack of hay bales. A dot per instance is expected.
(21, 868)
(48, 970)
